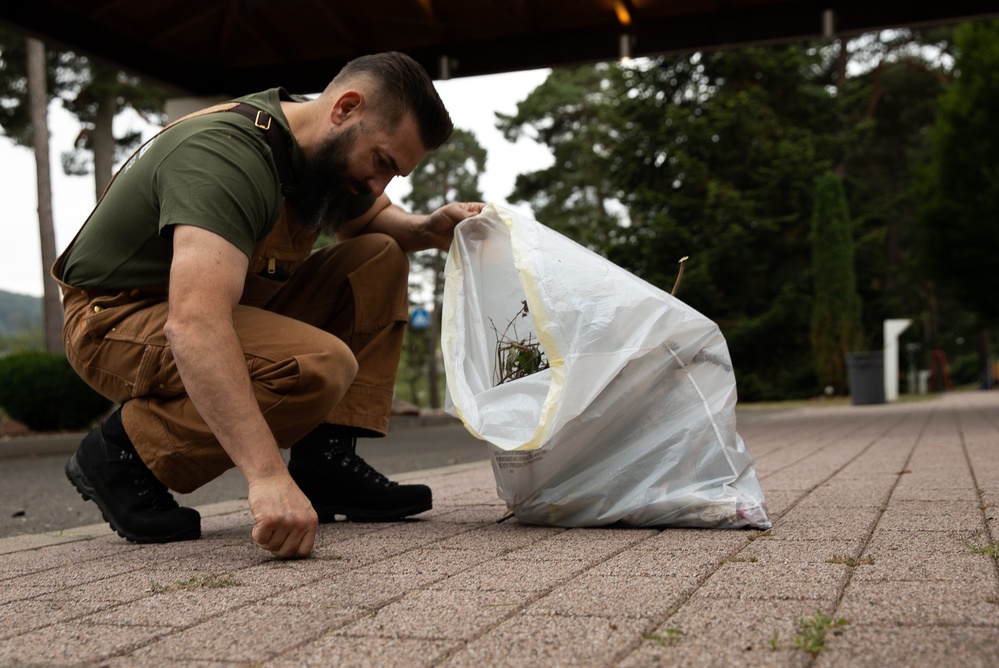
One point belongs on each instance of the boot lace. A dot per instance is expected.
(150, 493)
(359, 467)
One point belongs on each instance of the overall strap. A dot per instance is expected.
(279, 149)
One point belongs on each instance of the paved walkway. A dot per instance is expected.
(883, 553)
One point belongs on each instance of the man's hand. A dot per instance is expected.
(440, 225)
(284, 522)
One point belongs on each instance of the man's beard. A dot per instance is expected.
(321, 197)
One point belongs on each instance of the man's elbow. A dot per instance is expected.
(173, 330)
(180, 328)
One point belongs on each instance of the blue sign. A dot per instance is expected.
(420, 319)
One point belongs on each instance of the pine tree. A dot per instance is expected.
(836, 311)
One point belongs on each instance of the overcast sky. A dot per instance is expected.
(472, 102)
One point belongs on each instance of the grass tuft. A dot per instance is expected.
(813, 632)
(988, 549)
(667, 638)
(850, 561)
(739, 560)
(191, 584)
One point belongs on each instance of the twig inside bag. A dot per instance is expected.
(517, 357)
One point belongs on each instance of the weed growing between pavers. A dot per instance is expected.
(739, 560)
(988, 549)
(813, 632)
(191, 584)
(667, 638)
(984, 505)
(850, 561)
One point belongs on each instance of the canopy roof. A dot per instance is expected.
(230, 47)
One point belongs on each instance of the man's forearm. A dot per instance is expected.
(422, 232)
(408, 229)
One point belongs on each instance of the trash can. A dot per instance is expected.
(866, 375)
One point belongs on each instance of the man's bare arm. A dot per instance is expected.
(206, 282)
(414, 232)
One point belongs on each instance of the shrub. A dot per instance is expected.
(42, 391)
(966, 368)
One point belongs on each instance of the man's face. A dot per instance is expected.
(321, 197)
(354, 159)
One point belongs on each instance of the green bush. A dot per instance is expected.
(966, 368)
(42, 391)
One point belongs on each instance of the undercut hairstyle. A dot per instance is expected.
(401, 85)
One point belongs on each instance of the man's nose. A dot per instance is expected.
(377, 185)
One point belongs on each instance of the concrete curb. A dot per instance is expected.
(65, 443)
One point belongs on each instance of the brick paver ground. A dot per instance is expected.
(883, 553)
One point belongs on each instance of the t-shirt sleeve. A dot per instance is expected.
(218, 180)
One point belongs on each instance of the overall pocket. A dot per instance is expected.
(275, 258)
(117, 343)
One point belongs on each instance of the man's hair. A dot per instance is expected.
(401, 85)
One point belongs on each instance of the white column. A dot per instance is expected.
(892, 330)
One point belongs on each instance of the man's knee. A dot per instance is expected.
(326, 368)
(333, 364)
(376, 249)
(380, 283)
(385, 249)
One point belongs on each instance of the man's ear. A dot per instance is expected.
(349, 102)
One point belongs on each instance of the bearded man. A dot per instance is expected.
(193, 299)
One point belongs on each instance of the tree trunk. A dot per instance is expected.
(38, 101)
(842, 60)
(102, 142)
(433, 333)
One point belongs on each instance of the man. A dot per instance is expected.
(192, 299)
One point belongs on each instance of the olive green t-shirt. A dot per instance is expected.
(213, 171)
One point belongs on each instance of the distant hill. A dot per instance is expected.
(19, 314)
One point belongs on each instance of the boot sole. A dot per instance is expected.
(86, 489)
(328, 514)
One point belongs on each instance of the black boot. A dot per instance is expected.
(328, 470)
(107, 470)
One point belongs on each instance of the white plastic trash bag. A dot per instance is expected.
(631, 418)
